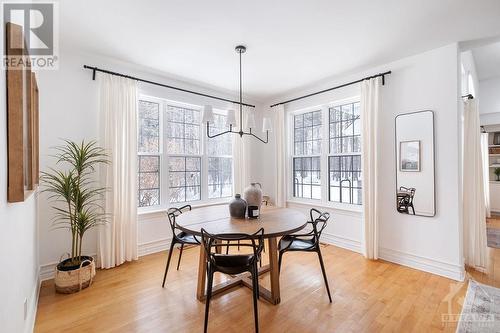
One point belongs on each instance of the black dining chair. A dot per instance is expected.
(233, 264)
(178, 236)
(308, 242)
(405, 199)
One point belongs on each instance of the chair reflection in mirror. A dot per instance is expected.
(404, 199)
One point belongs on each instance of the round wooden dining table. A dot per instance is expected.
(216, 220)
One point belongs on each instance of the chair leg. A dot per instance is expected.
(209, 296)
(227, 248)
(168, 263)
(257, 281)
(255, 287)
(238, 245)
(180, 255)
(279, 261)
(324, 274)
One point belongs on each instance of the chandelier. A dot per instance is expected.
(208, 115)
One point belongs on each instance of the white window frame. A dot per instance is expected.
(164, 156)
(324, 156)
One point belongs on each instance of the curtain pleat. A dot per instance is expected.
(117, 239)
(280, 151)
(486, 172)
(369, 168)
(474, 208)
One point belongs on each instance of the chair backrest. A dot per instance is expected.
(318, 221)
(410, 191)
(173, 212)
(211, 241)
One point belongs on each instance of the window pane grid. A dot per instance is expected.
(345, 128)
(149, 127)
(148, 180)
(307, 177)
(183, 131)
(345, 179)
(184, 179)
(307, 133)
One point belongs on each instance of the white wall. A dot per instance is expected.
(428, 81)
(68, 104)
(489, 107)
(18, 245)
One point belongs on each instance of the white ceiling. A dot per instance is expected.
(487, 60)
(290, 43)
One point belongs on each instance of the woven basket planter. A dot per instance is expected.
(72, 279)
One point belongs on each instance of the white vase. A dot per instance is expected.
(253, 195)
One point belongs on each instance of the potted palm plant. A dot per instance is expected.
(76, 198)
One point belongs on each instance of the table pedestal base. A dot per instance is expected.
(272, 296)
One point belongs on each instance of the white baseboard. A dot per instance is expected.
(345, 243)
(451, 271)
(47, 270)
(32, 308)
(154, 246)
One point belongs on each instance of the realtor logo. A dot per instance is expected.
(39, 25)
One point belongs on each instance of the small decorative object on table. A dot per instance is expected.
(253, 212)
(253, 195)
(238, 207)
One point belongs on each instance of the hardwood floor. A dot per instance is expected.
(368, 296)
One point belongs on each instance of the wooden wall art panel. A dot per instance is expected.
(22, 118)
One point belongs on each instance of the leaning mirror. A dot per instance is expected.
(415, 163)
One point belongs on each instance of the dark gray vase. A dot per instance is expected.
(238, 207)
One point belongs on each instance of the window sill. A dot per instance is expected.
(162, 209)
(358, 209)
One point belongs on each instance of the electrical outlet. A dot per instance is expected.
(25, 308)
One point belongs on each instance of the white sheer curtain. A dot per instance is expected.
(280, 151)
(117, 240)
(474, 210)
(486, 172)
(369, 135)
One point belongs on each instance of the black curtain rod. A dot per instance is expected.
(337, 87)
(95, 69)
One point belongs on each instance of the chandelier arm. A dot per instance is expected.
(255, 136)
(218, 134)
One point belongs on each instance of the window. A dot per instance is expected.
(307, 143)
(149, 154)
(220, 161)
(183, 151)
(344, 161)
(176, 161)
(326, 154)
